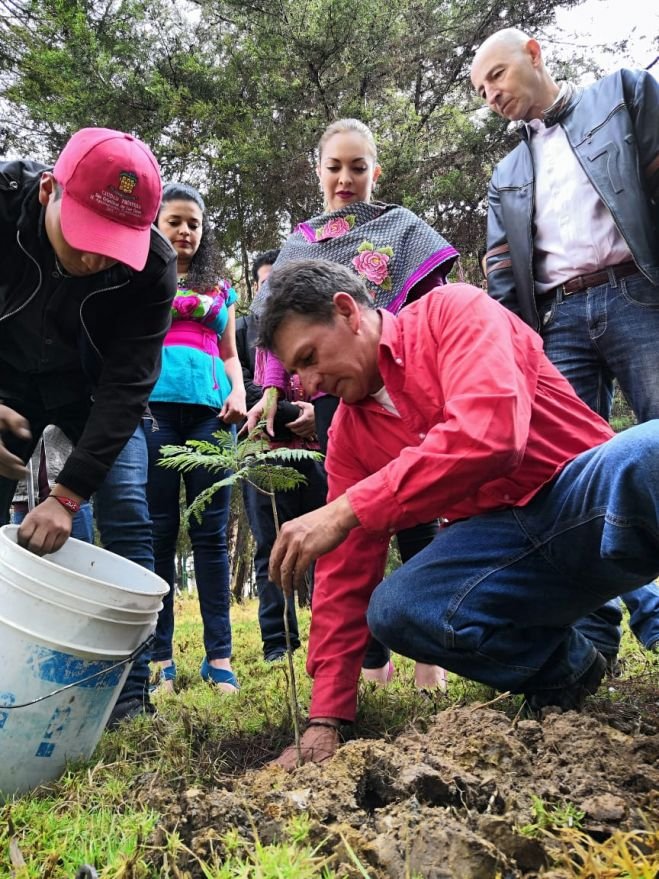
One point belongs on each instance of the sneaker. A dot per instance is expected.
(570, 698)
(126, 709)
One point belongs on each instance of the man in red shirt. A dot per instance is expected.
(451, 409)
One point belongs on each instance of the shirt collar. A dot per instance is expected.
(389, 335)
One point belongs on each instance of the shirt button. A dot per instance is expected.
(422, 436)
(48, 341)
(54, 274)
(506, 497)
(399, 361)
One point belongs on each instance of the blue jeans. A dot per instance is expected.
(174, 424)
(290, 504)
(495, 598)
(605, 333)
(124, 526)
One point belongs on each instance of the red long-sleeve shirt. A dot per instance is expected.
(485, 421)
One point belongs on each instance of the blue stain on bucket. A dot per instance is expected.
(53, 732)
(63, 668)
(6, 699)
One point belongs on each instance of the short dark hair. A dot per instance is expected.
(306, 287)
(267, 258)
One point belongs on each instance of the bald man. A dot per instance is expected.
(573, 237)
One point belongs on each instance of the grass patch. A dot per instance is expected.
(106, 812)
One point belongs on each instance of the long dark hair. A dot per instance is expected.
(206, 266)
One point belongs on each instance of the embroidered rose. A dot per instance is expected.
(184, 307)
(374, 264)
(336, 228)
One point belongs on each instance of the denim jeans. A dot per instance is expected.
(290, 504)
(124, 526)
(495, 598)
(605, 333)
(174, 424)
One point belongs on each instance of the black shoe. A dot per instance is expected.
(570, 698)
(613, 665)
(126, 709)
(276, 656)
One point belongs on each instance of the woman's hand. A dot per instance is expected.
(235, 407)
(267, 406)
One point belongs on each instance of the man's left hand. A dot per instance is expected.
(46, 528)
(302, 540)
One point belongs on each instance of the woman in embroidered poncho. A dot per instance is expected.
(200, 391)
(399, 257)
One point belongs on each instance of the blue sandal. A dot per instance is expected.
(218, 675)
(167, 673)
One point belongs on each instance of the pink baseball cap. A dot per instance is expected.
(112, 193)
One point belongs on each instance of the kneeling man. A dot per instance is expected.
(452, 410)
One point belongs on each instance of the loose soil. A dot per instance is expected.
(447, 802)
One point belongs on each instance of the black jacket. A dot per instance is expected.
(124, 316)
(612, 126)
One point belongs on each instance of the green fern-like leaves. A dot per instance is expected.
(251, 460)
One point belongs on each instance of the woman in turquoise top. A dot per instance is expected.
(200, 391)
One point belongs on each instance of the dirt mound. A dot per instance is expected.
(445, 803)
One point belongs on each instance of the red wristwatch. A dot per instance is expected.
(68, 503)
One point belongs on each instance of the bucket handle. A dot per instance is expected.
(97, 674)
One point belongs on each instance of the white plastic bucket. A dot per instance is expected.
(62, 621)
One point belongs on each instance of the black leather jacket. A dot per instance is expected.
(124, 316)
(613, 129)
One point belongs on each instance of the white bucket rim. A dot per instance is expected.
(48, 587)
(7, 530)
(76, 611)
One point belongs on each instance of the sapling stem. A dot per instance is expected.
(289, 648)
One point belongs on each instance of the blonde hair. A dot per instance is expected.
(340, 126)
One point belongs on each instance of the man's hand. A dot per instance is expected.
(46, 528)
(302, 540)
(11, 466)
(305, 424)
(318, 744)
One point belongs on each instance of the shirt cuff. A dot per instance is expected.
(334, 696)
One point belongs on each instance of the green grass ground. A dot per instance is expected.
(104, 812)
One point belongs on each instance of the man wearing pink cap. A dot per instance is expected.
(86, 284)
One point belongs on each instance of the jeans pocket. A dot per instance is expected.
(547, 313)
(639, 291)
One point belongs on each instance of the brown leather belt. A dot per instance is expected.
(594, 279)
